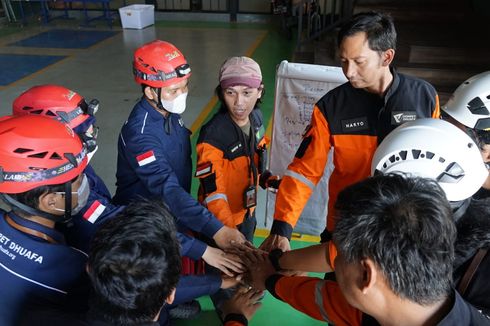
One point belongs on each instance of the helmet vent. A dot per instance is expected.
(39, 155)
(416, 153)
(22, 150)
(55, 156)
(476, 106)
(27, 108)
(51, 113)
(453, 173)
(36, 111)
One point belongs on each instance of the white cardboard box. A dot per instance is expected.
(137, 16)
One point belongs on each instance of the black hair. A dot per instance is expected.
(473, 230)
(134, 264)
(219, 93)
(403, 224)
(379, 28)
(482, 137)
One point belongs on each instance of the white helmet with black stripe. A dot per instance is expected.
(435, 149)
(470, 102)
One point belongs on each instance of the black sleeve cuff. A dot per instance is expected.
(282, 228)
(236, 317)
(270, 284)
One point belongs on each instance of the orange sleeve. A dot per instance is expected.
(216, 201)
(319, 299)
(304, 172)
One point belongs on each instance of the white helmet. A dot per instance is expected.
(435, 149)
(470, 102)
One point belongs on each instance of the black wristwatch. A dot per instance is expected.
(274, 256)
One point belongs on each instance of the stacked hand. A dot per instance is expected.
(258, 265)
(228, 263)
(244, 302)
(226, 237)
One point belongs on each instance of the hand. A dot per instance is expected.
(259, 267)
(243, 303)
(274, 241)
(227, 263)
(267, 180)
(226, 237)
(230, 281)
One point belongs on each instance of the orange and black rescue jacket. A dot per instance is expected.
(353, 122)
(223, 165)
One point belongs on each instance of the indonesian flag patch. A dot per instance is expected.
(94, 211)
(203, 169)
(145, 158)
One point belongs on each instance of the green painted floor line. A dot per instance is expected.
(272, 312)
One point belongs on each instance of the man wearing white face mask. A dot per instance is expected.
(154, 153)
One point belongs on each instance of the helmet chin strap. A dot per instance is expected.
(66, 219)
(459, 208)
(160, 107)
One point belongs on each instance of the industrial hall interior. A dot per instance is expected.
(244, 162)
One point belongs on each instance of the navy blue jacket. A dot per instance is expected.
(153, 162)
(98, 210)
(37, 273)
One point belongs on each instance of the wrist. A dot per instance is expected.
(274, 257)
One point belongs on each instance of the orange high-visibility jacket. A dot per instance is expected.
(223, 165)
(353, 122)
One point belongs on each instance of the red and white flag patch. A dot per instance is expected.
(145, 158)
(203, 169)
(94, 211)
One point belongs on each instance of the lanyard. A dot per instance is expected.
(250, 152)
(27, 230)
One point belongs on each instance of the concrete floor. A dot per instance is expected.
(103, 71)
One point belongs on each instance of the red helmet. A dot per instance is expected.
(159, 64)
(37, 151)
(57, 102)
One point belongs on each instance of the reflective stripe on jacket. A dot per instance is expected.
(353, 122)
(223, 165)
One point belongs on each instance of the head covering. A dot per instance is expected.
(240, 71)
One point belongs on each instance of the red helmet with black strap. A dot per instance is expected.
(56, 102)
(159, 64)
(38, 151)
(60, 103)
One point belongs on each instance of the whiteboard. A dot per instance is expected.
(298, 87)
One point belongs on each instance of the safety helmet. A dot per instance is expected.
(38, 151)
(56, 102)
(159, 64)
(470, 102)
(435, 149)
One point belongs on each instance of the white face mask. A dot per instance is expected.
(177, 105)
(82, 193)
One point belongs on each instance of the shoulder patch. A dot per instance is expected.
(145, 158)
(94, 211)
(204, 169)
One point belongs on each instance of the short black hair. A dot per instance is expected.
(482, 137)
(218, 91)
(405, 225)
(134, 264)
(379, 28)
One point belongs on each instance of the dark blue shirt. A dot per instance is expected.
(37, 273)
(154, 161)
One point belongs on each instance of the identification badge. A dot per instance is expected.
(250, 197)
